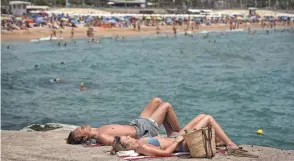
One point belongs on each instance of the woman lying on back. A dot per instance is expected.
(160, 146)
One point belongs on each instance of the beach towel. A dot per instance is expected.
(132, 155)
(91, 143)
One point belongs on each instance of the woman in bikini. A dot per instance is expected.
(161, 146)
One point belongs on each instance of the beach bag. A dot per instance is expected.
(201, 143)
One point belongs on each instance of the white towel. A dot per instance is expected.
(132, 155)
(129, 153)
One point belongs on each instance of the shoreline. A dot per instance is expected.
(36, 33)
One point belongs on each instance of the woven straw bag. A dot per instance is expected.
(201, 143)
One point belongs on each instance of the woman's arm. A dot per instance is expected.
(155, 151)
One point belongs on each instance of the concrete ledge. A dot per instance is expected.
(50, 145)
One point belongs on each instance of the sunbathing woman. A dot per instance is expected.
(160, 146)
(155, 114)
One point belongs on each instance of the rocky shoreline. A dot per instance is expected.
(47, 142)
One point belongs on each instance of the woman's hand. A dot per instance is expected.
(179, 139)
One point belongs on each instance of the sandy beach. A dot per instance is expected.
(38, 32)
(80, 32)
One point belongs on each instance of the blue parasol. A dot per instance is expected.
(39, 20)
(112, 21)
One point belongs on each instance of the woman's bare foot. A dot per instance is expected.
(232, 145)
(219, 143)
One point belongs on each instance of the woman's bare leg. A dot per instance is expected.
(209, 120)
(151, 107)
(166, 113)
(169, 130)
(193, 123)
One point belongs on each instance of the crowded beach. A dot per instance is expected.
(39, 22)
(202, 137)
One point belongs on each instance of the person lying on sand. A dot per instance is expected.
(155, 114)
(164, 146)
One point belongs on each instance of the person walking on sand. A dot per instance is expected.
(139, 26)
(60, 34)
(90, 33)
(72, 33)
(157, 30)
(155, 114)
(54, 33)
(175, 30)
(134, 25)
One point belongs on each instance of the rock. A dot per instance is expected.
(48, 127)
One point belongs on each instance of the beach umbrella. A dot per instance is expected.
(64, 19)
(112, 21)
(132, 18)
(18, 18)
(148, 17)
(169, 20)
(5, 18)
(39, 20)
(239, 18)
(89, 19)
(75, 21)
(43, 13)
(29, 20)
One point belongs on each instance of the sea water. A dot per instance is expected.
(245, 82)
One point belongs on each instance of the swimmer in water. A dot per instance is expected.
(82, 86)
(62, 62)
(75, 41)
(267, 32)
(58, 43)
(206, 36)
(8, 47)
(36, 66)
(57, 80)
(65, 44)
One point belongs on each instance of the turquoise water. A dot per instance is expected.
(245, 82)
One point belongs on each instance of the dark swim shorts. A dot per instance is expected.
(145, 127)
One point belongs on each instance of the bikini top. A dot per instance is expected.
(153, 141)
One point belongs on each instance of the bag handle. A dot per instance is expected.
(207, 139)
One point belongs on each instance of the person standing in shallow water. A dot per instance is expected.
(72, 33)
(155, 114)
(175, 30)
